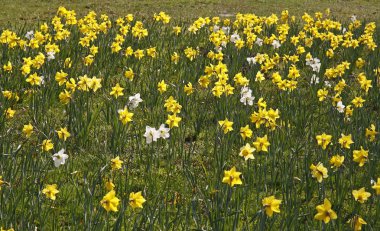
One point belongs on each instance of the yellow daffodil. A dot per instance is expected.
(325, 213)
(117, 91)
(360, 156)
(110, 202)
(65, 97)
(358, 102)
(336, 161)
(125, 116)
(357, 222)
(346, 141)
(246, 132)
(319, 172)
(376, 186)
(50, 191)
(129, 74)
(232, 177)
(271, 204)
(109, 185)
(136, 200)
(27, 130)
(324, 140)
(261, 144)
(188, 88)
(322, 94)
(361, 195)
(371, 133)
(1, 182)
(116, 163)
(162, 86)
(47, 145)
(247, 152)
(63, 134)
(226, 125)
(173, 121)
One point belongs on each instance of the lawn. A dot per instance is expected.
(18, 12)
(189, 115)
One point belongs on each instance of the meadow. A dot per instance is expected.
(154, 122)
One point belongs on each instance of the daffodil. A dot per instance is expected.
(110, 202)
(189, 88)
(325, 213)
(336, 161)
(9, 113)
(232, 177)
(226, 125)
(136, 200)
(371, 132)
(65, 97)
(376, 186)
(247, 152)
(59, 158)
(271, 205)
(34, 79)
(1, 182)
(360, 156)
(50, 191)
(134, 101)
(361, 195)
(173, 121)
(324, 140)
(129, 74)
(116, 163)
(322, 94)
(357, 222)
(63, 133)
(246, 132)
(346, 141)
(117, 91)
(47, 145)
(319, 172)
(151, 134)
(261, 144)
(27, 130)
(125, 116)
(358, 102)
(162, 86)
(60, 77)
(109, 185)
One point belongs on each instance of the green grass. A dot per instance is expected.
(17, 12)
(181, 177)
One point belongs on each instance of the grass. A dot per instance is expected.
(186, 178)
(18, 12)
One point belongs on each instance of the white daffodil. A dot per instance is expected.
(259, 42)
(234, 37)
(226, 29)
(29, 35)
(276, 44)
(134, 101)
(246, 96)
(251, 60)
(314, 63)
(314, 79)
(60, 158)
(340, 107)
(151, 134)
(50, 55)
(164, 131)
